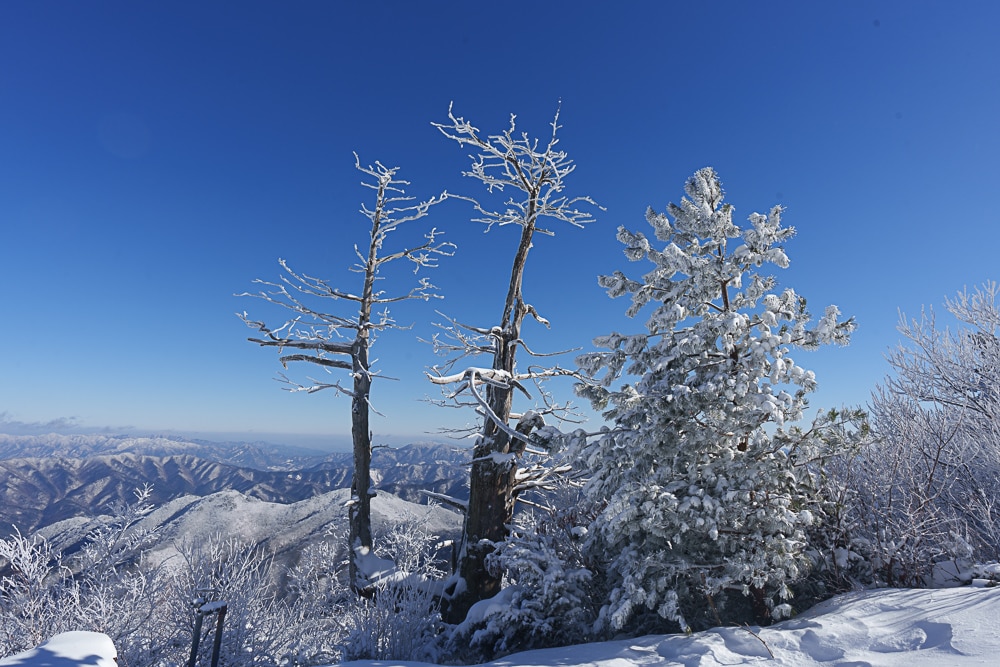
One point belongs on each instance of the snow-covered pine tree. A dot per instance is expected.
(706, 480)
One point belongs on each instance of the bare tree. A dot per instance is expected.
(342, 341)
(534, 172)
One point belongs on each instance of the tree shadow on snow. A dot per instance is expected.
(43, 657)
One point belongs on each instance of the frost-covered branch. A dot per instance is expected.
(515, 162)
(471, 378)
(313, 386)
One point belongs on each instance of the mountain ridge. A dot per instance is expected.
(36, 491)
(261, 455)
(281, 530)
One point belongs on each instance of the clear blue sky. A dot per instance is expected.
(157, 157)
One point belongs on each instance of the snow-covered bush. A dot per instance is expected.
(400, 618)
(319, 582)
(104, 588)
(261, 627)
(121, 594)
(709, 485)
(399, 622)
(38, 597)
(926, 484)
(222, 569)
(412, 548)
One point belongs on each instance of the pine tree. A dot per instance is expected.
(705, 477)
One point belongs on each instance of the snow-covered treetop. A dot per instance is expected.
(324, 333)
(512, 162)
(718, 323)
(530, 174)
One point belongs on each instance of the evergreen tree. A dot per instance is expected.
(706, 480)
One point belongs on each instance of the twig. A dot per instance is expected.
(768, 648)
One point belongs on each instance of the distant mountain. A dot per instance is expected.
(409, 471)
(80, 476)
(259, 455)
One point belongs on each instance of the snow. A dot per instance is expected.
(481, 610)
(213, 607)
(881, 628)
(69, 649)
(371, 568)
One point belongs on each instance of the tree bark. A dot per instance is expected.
(361, 503)
(360, 513)
(494, 466)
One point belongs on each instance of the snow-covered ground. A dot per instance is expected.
(951, 627)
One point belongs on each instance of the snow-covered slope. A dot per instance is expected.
(283, 529)
(52, 486)
(954, 627)
(280, 529)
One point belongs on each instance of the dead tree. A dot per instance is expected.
(342, 341)
(533, 172)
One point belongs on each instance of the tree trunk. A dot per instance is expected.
(494, 468)
(360, 512)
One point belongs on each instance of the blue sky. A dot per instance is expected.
(155, 158)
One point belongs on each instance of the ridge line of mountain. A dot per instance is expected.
(37, 491)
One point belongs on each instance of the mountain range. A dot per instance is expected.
(48, 479)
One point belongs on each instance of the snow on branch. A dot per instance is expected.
(470, 380)
(317, 331)
(472, 377)
(301, 342)
(329, 363)
(456, 503)
(389, 212)
(314, 386)
(507, 160)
